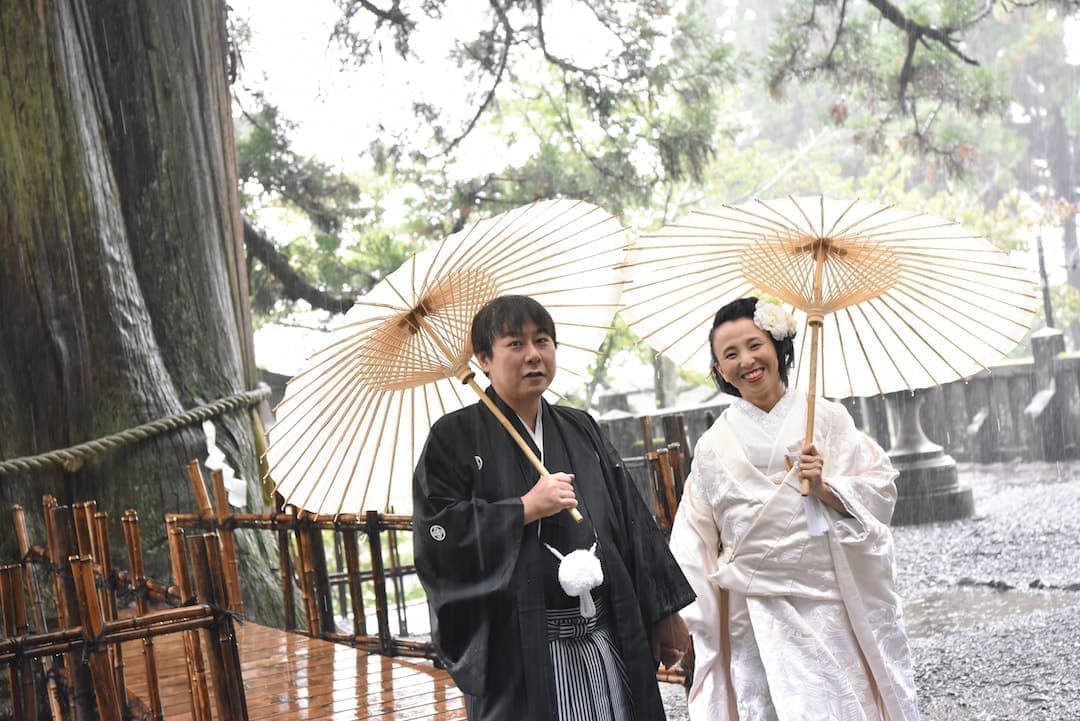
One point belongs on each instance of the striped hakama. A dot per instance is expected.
(590, 678)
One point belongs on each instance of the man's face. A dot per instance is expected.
(521, 365)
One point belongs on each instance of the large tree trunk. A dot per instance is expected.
(121, 275)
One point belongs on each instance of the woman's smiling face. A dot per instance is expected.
(746, 358)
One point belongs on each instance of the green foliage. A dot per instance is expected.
(842, 99)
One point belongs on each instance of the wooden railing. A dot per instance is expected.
(80, 659)
(308, 584)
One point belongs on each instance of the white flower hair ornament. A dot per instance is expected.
(774, 320)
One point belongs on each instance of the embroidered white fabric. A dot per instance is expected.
(795, 655)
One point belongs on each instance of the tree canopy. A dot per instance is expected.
(967, 109)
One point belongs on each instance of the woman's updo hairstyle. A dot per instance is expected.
(744, 308)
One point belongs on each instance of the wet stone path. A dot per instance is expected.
(992, 602)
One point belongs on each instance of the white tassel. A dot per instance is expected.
(580, 572)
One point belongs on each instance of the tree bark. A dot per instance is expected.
(121, 273)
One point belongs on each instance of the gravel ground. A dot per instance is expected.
(993, 602)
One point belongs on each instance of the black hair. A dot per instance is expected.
(744, 308)
(506, 315)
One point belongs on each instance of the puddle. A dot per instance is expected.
(956, 608)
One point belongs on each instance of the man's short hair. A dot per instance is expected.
(507, 315)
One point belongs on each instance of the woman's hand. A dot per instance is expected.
(548, 496)
(810, 463)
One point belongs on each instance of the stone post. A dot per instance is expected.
(1044, 408)
(927, 489)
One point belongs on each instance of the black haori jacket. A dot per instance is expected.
(482, 569)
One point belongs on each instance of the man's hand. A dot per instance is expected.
(670, 639)
(550, 495)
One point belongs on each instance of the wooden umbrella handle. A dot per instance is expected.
(537, 464)
(814, 317)
(811, 396)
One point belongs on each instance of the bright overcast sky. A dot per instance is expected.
(292, 58)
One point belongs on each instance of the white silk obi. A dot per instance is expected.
(742, 539)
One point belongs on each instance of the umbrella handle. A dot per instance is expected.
(809, 437)
(537, 464)
(815, 332)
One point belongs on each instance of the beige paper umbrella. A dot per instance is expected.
(887, 299)
(353, 422)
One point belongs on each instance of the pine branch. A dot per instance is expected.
(294, 286)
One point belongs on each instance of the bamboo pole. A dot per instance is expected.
(93, 617)
(198, 487)
(133, 540)
(107, 593)
(398, 581)
(16, 623)
(652, 467)
(62, 532)
(83, 515)
(204, 570)
(675, 456)
(224, 628)
(356, 586)
(815, 317)
(48, 665)
(72, 639)
(287, 521)
(228, 543)
(306, 576)
(378, 574)
(667, 487)
(321, 578)
(285, 563)
(200, 693)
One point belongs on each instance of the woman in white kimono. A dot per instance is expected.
(796, 618)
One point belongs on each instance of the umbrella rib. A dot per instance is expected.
(855, 227)
(905, 346)
(724, 284)
(393, 451)
(330, 358)
(788, 222)
(843, 355)
(873, 329)
(956, 372)
(531, 235)
(785, 264)
(915, 292)
(974, 267)
(934, 281)
(576, 244)
(915, 301)
(382, 397)
(496, 230)
(759, 223)
(353, 424)
(802, 350)
(339, 376)
(707, 272)
(862, 349)
(330, 432)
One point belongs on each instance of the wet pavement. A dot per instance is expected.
(992, 602)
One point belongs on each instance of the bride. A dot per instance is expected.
(796, 617)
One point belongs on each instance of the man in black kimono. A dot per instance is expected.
(489, 535)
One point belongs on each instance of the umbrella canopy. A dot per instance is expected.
(901, 300)
(353, 422)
